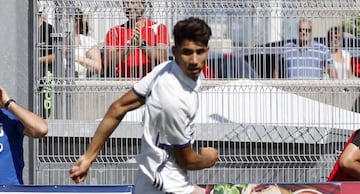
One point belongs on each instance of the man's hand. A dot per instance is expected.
(3, 97)
(137, 38)
(80, 169)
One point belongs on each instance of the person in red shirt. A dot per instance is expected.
(347, 166)
(135, 47)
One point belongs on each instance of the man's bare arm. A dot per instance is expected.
(350, 161)
(159, 52)
(188, 159)
(111, 120)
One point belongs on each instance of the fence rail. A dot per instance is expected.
(266, 130)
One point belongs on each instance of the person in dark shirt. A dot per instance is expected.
(46, 60)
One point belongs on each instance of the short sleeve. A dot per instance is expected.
(112, 38)
(20, 127)
(13, 122)
(163, 35)
(142, 87)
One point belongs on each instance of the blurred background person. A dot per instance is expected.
(305, 58)
(135, 47)
(86, 50)
(46, 56)
(46, 60)
(340, 56)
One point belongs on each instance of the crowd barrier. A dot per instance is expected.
(263, 188)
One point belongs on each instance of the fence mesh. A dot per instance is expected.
(266, 130)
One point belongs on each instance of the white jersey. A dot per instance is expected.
(171, 103)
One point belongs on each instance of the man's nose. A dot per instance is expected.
(194, 58)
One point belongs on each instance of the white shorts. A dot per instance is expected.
(144, 185)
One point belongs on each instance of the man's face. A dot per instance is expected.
(134, 8)
(305, 33)
(191, 57)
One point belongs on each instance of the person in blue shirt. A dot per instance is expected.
(305, 58)
(15, 122)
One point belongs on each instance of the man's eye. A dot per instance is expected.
(187, 52)
(201, 51)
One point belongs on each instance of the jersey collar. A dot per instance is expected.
(185, 79)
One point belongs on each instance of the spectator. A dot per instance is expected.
(46, 56)
(170, 95)
(87, 53)
(15, 122)
(347, 166)
(340, 56)
(135, 47)
(305, 58)
(46, 60)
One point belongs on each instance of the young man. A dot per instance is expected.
(135, 47)
(170, 95)
(15, 122)
(305, 58)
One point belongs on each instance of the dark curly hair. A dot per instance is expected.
(193, 29)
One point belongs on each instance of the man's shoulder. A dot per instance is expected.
(150, 22)
(153, 24)
(316, 43)
(164, 65)
(290, 44)
(116, 28)
(290, 47)
(319, 45)
(167, 71)
(45, 25)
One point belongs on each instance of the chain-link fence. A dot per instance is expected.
(266, 130)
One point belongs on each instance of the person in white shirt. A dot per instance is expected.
(87, 53)
(170, 95)
(340, 56)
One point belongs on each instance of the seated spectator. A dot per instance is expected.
(340, 56)
(46, 56)
(87, 53)
(46, 60)
(305, 58)
(347, 166)
(135, 47)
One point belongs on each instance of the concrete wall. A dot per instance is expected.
(14, 64)
(14, 56)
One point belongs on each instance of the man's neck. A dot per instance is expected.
(131, 22)
(304, 43)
